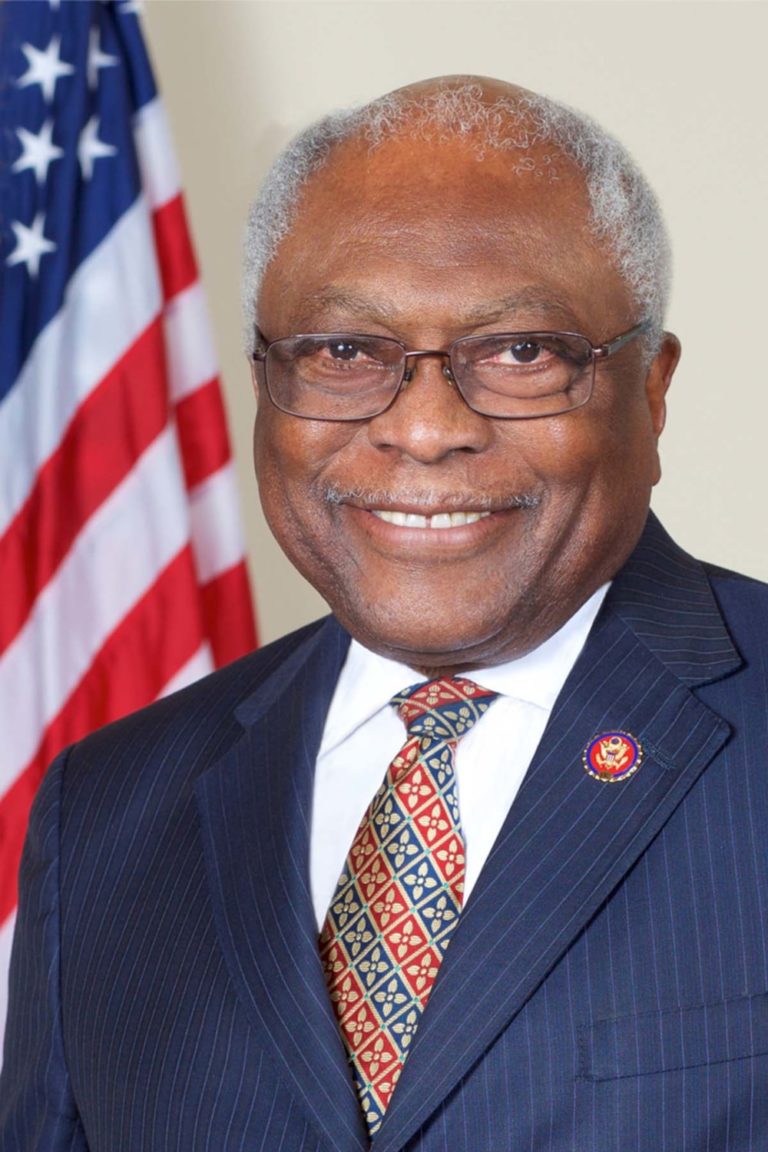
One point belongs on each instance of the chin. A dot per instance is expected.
(411, 639)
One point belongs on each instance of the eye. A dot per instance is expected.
(343, 350)
(338, 355)
(519, 353)
(526, 352)
(541, 350)
(342, 353)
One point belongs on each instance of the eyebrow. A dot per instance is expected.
(366, 307)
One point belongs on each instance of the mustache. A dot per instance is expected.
(384, 498)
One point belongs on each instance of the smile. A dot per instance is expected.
(438, 520)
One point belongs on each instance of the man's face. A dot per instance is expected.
(427, 243)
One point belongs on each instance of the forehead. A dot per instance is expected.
(415, 223)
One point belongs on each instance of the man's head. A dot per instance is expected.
(455, 209)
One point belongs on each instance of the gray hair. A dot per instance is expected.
(624, 211)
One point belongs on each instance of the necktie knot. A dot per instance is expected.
(442, 709)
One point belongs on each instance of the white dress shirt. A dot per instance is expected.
(363, 733)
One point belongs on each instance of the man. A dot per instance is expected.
(461, 373)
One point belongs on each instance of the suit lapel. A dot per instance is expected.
(570, 839)
(255, 812)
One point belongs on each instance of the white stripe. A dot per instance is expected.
(112, 298)
(6, 938)
(189, 342)
(199, 665)
(217, 537)
(123, 547)
(157, 158)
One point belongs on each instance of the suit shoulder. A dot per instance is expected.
(736, 589)
(743, 601)
(188, 729)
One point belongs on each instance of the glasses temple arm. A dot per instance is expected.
(615, 345)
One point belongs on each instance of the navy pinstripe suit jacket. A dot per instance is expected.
(607, 988)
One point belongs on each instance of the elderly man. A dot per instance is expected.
(547, 928)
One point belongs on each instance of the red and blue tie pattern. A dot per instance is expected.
(398, 899)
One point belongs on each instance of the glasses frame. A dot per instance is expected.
(597, 352)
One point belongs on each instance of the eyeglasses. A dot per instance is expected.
(507, 375)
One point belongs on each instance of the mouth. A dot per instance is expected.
(433, 524)
(438, 520)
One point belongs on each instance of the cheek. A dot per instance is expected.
(284, 464)
(595, 469)
(564, 454)
(291, 457)
(290, 452)
(604, 448)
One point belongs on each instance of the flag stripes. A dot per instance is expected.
(202, 429)
(222, 616)
(124, 414)
(191, 357)
(177, 260)
(75, 351)
(121, 552)
(66, 630)
(118, 680)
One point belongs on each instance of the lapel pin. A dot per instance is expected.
(612, 756)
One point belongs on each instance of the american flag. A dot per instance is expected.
(122, 574)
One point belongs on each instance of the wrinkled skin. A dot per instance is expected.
(426, 243)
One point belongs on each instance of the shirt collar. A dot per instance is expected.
(368, 682)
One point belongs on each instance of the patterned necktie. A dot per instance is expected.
(398, 899)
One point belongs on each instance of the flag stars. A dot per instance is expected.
(31, 245)
(38, 151)
(97, 59)
(46, 68)
(90, 148)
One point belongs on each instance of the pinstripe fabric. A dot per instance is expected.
(607, 986)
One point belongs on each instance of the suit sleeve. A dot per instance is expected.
(37, 1107)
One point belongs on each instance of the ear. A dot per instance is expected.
(659, 379)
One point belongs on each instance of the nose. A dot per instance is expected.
(429, 419)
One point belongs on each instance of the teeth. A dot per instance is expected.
(439, 520)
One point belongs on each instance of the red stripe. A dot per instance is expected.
(228, 614)
(14, 813)
(109, 432)
(203, 436)
(153, 641)
(176, 257)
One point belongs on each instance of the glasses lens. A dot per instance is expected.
(334, 377)
(523, 374)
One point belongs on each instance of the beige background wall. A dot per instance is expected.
(683, 83)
